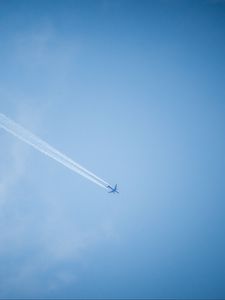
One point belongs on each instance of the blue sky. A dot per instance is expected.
(134, 91)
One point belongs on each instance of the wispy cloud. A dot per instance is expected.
(42, 48)
(38, 239)
(15, 170)
(44, 240)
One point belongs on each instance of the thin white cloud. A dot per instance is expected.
(15, 171)
(42, 48)
(43, 241)
(49, 235)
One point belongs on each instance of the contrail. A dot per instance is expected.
(34, 141)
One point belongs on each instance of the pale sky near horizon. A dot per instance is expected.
(133, 91)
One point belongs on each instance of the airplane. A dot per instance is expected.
(113, 190)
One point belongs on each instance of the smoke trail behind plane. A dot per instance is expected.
(37, 143)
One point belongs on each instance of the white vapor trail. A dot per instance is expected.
(34, 141)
